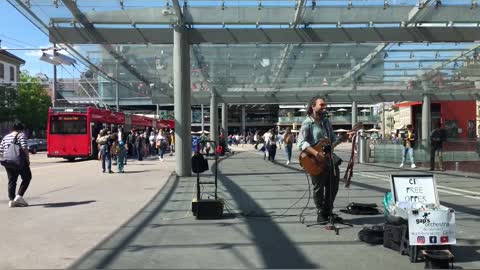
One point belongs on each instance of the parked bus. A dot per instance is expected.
(72, 132)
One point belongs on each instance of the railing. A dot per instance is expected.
(458, 154)
(343, 119)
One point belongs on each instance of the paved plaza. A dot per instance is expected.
(81, 218)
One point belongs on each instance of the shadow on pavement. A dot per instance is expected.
(107, 258)
(274, 247)
(130, 172)
(63, 204)
(466, 253)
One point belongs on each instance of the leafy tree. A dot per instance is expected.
(8, 99)
(33, 103)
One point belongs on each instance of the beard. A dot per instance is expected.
(320, 113)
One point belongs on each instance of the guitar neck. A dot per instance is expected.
(336, 143)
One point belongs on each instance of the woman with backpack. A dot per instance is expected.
(288, 141)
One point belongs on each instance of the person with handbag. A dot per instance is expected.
(15, 159)
(315, 128)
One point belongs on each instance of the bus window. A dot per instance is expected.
(68, 124)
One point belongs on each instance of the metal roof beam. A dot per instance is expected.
(268, 36)
(269, 15)
(178, 13)
(364, 64)
(285, 56)
(413, 16)
(418, 12)
(432, 72)
(96, 35)
(302, 95)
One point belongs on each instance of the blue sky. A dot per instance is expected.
(16, 31)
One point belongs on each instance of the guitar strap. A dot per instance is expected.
(349, 171)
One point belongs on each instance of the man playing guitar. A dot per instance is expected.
(316, 128)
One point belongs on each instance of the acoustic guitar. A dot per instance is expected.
(319, 166)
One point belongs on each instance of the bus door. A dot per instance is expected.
(95, 129)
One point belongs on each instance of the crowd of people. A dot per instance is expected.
(115, 145)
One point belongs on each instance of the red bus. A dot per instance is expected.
(71, 132)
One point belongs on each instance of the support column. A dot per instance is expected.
(426, 120)
(214, 118)
(383, 121)
(354, 113)
(117, 92)
(243, 120)
(203, 118)
(225, 119)
(157, 115)
(182, 102)
(55, 89)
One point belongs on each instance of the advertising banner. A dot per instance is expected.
(431, 227)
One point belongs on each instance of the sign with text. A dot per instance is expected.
(414, 189)
(432, 227)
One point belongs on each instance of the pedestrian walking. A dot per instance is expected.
(15, 158)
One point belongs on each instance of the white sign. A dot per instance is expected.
(432, 227)
(414, 189)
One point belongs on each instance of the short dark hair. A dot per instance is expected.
(18, 126)
(313, 102)
(409, 126)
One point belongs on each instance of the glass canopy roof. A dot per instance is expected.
(364, 50)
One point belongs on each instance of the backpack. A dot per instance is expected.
(14, 157)
(373, 235)
(199, 163)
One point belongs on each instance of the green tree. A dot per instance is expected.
(8, 99)
(33, 103)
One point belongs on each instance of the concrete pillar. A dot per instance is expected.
(214, 117)
(117, 92)
(54, 88)
(203, 117)
(243, 120)
(182, 102)
(426, 120)
(354, 113)
(225, 119)
(383, 121)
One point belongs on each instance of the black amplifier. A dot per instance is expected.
(207, 208)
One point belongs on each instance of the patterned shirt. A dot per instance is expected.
(8, 139)
(312, 132)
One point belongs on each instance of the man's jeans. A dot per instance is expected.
(106, 156)
(406, 150)
(288, 150)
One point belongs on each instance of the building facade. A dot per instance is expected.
(9, 78)
(10, 67)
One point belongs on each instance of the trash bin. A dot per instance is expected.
(362, 148)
